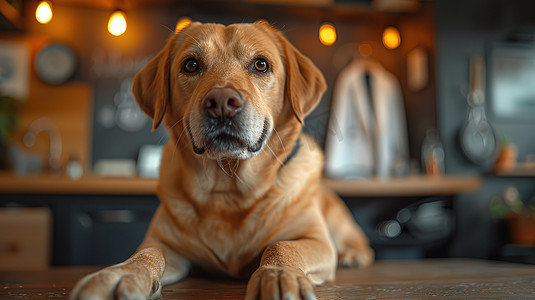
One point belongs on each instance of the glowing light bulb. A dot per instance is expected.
(117, 23)
(391, 38)
(327, 34)
(43, 13)
(182, 23)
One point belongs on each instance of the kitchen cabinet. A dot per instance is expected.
(25, 238)
(85, 229)
(101, 221)
(100, 229)
(406, 217)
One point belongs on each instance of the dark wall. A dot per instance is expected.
(105, 61)
(464, 28)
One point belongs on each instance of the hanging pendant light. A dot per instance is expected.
(43, 12)
(327, 34)
(391, 38)
(117, 23)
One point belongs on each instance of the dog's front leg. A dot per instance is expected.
(289, 269)
(136, 278)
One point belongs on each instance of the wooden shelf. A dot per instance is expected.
(521, 170)
(415, 185)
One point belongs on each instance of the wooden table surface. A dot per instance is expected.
(444, 278)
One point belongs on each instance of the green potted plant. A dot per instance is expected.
(519, 215)
(506, 160)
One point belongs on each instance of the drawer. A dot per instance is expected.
(25, 238)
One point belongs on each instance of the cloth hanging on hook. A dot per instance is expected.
(367, 133)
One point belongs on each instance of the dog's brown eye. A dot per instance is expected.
(191, 66)
(261, 65)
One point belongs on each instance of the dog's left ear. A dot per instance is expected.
(151, 86)
(305, 83)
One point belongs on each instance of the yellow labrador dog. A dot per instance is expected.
(239, 195)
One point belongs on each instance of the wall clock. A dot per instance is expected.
(55, 63)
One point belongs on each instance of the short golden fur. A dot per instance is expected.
(230, 202)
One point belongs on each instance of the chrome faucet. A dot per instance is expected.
(46, 125)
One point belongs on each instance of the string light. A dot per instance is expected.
(391, 38)
(117, 23)
(43, 13)
(182, 23)
(327, 34)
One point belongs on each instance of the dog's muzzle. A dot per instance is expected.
(227, 129)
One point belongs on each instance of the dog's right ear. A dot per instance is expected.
(151, 86)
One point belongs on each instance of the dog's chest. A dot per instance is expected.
(224, 240)
(228, 240)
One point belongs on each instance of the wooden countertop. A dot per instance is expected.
(415, 185)
(44, 184)
(443, 278)
(412, 185)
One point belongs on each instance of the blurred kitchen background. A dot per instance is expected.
(79, 159)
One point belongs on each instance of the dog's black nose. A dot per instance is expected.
(223, 103)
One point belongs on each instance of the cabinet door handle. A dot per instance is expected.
(85, 220)
(116, 216)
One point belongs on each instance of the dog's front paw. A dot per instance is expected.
(353, 257)
(117, 282)
(279, 282)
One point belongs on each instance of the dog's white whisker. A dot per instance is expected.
(174, 150)
(161, 139)
(220, 163)
(236, 166)
(230, 168)
(274, 155)
(197, 43)
(176, 123)
(166, 27)
(249, 186)
(177, 142)
(233, 168)
(205, 173)
(180, 136)
(282, 144)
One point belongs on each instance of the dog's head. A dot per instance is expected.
(227, 88)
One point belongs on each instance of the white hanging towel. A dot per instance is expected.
(366, 137)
